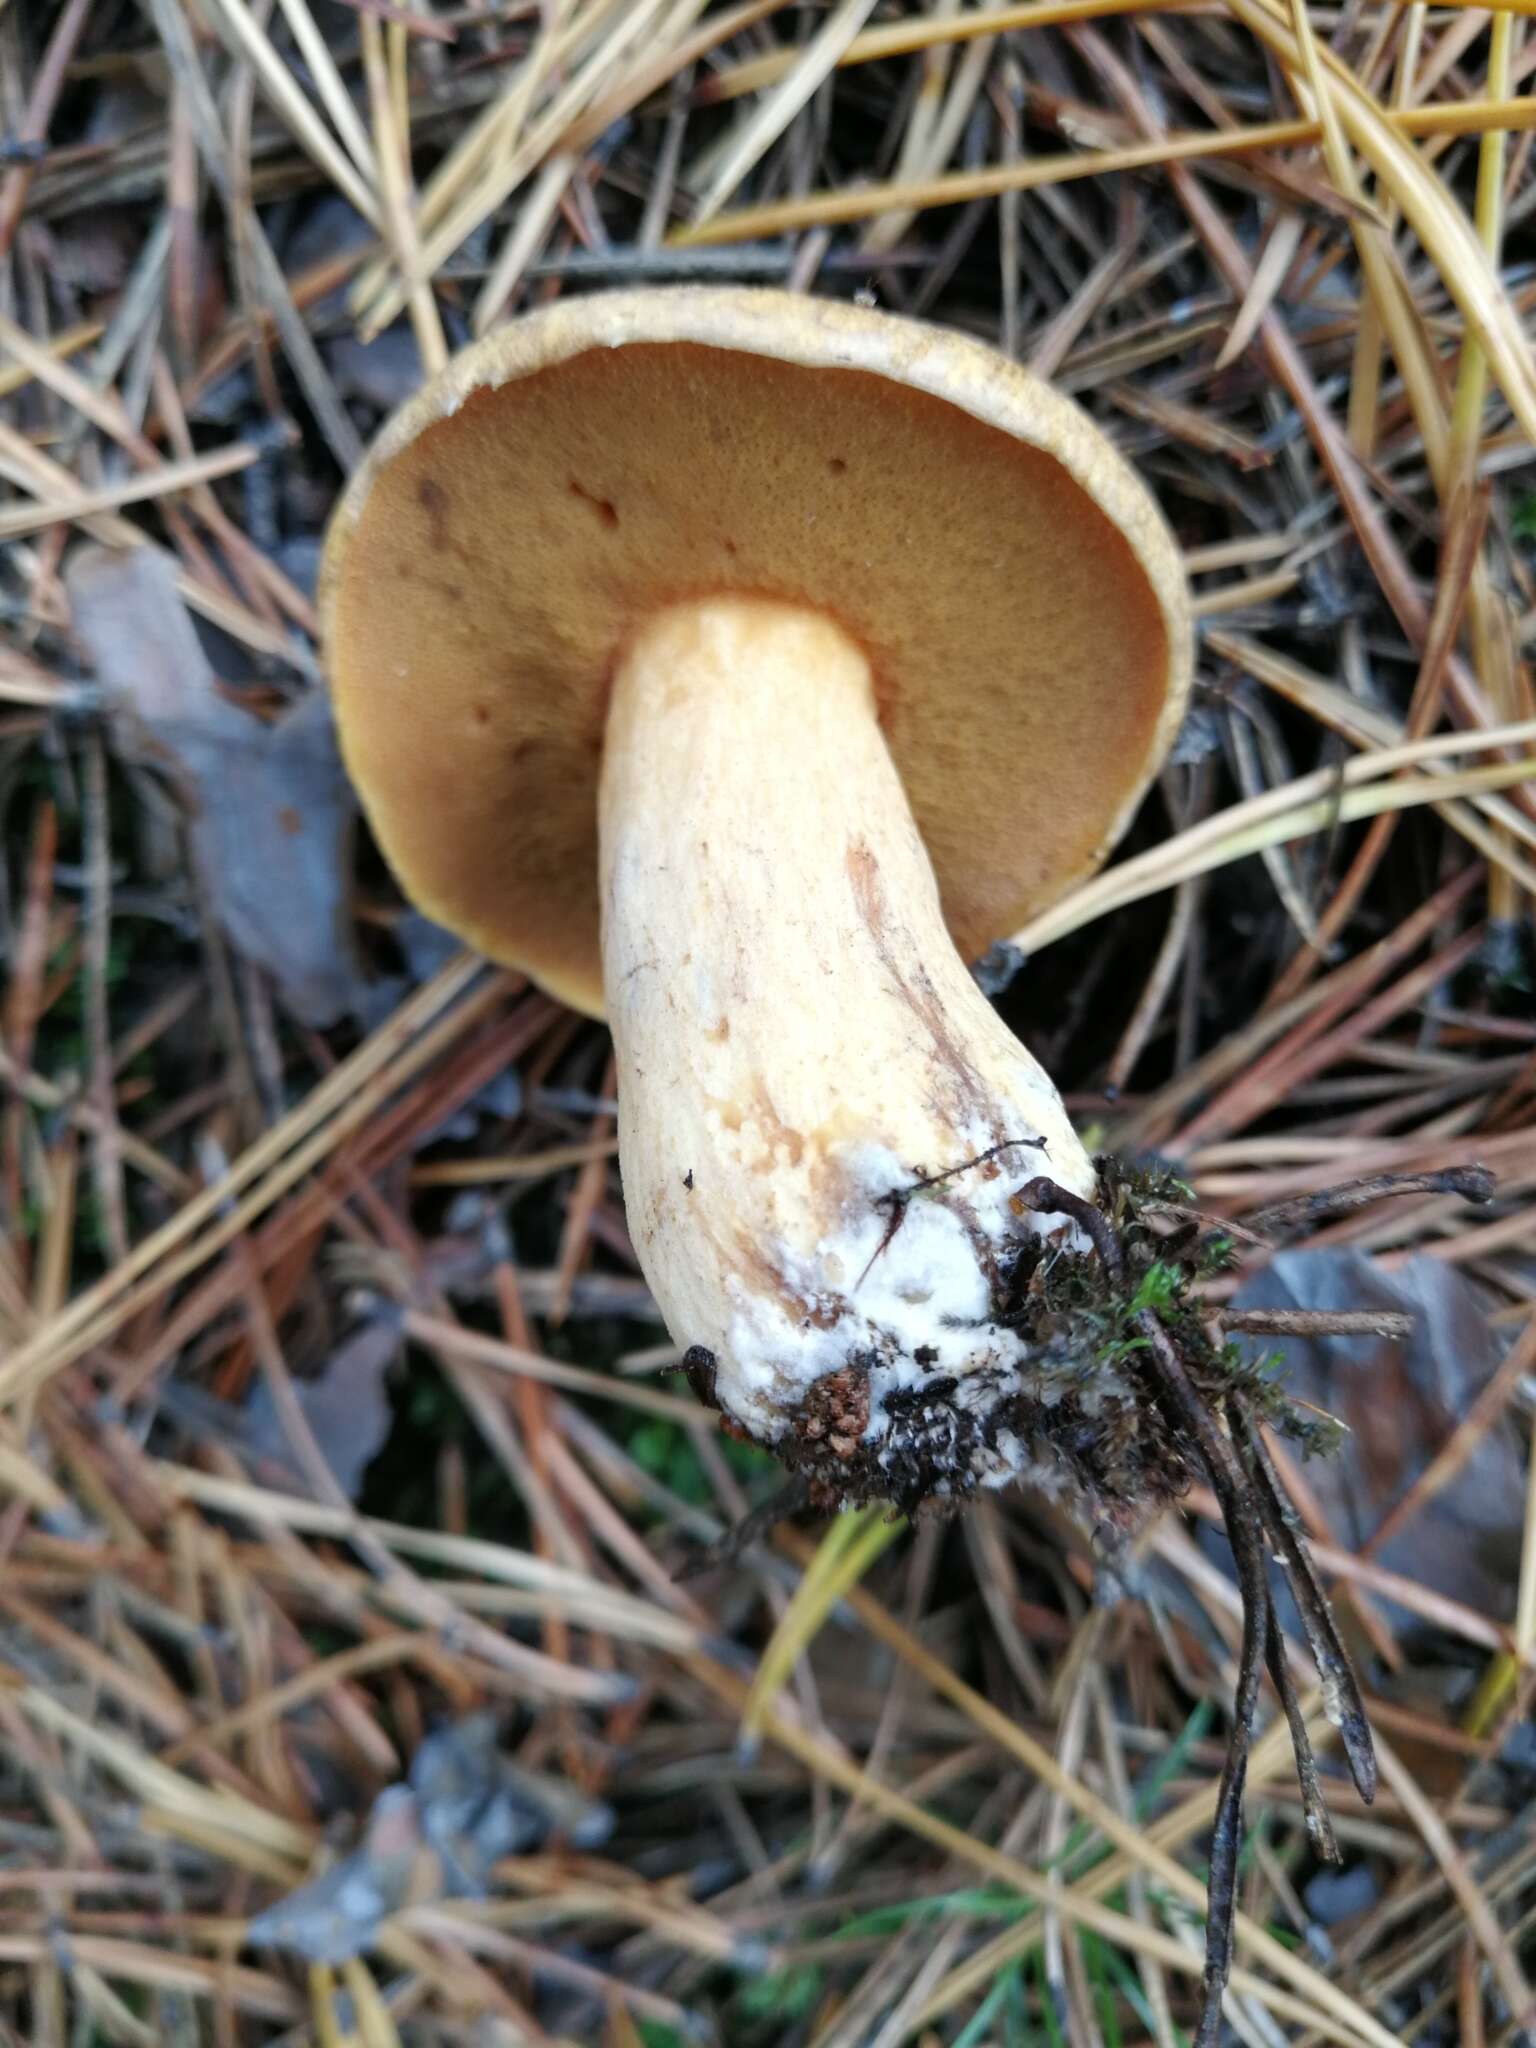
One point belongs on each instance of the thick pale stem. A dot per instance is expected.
(800, 1046)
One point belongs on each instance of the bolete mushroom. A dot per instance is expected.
(739, 665)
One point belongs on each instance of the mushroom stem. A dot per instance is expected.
(822, 1119)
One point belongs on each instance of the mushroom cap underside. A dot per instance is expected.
(1010, 581)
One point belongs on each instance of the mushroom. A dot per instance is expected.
(739, 665)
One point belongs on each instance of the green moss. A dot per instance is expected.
(1080, 1322)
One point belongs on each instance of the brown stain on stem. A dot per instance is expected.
(777, 1135)
(970, 1099)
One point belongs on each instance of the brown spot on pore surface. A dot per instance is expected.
(433, 500)
(289, 821)
(605, 508)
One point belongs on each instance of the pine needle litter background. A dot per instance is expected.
(372, 1669)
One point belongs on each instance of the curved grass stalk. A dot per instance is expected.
(844, 1554)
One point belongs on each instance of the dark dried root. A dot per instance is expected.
(1341, 1691)
(1317, 1322)
(1181, 1404)
(1257, 1516)
(1314, 1807)
(726, 1549)
(1472, 1183)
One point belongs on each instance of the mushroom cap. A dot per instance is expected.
(1011, 582)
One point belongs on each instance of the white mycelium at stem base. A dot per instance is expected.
(798, 1043)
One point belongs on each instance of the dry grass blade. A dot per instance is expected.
(1146, 1850)
(1073, 1902)
(459, 211)
(331, 87)
(1269, 274)
(287, 96)
(850, 1546)
(1315, 803)
(1485, 1928)
(164, 482)
(395, 202)
(937, 30)
(495, 133)
(862, 202)
(264, 1833)
(1448, 237)
(535, 218)
(550, 1372)
(768, 121)
(17, 375)
(392, 1051)
(1368, 728)
(1525, 1610)
(555, 1589)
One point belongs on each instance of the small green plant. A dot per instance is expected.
(781, 1996)
(667, 1451)
(657, 2034)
